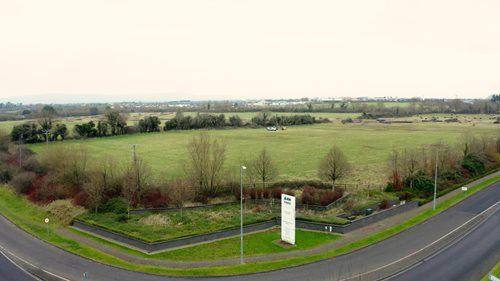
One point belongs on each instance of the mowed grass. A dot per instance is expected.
(254, 244)
(176, 224)
(296, 151)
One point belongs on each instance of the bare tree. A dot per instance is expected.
(101, 179)
(263, 168)
(395, 170)
(334, 166)
(180, 191)
(206, 163)
(410, 161)
(136, 182)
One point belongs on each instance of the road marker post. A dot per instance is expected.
(47, 224)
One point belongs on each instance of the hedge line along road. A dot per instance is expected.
(72, 267)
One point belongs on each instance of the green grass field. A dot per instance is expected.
(296, 151)
(254, 244)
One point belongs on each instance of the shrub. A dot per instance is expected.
(156, 220)
(289, 192)
(64, 210)
(327, 197)
(384, 204)
(32, 165)
(474, 164)
(203, 199)
(266, 193)
(23, 181)
(253, 193)
(115, 205)
(423, 184)
(405, 195)
(156, 199)
(80, 199)
(50, 192)
(276, 193)
(122, 218)
(5, 175)
(307, 198)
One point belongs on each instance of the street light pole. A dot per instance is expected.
(435, 181)
(241, 212)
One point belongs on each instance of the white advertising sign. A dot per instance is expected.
(288, 218)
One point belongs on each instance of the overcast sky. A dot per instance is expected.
(229, 49)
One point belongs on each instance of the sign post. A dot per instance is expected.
(47, 224)
(288, 218)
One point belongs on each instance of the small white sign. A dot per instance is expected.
(288, 218)
(464, 188)
(46, 220)
(494, 278)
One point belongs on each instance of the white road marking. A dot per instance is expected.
(409, 255)
(2, 250)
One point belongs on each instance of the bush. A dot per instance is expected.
(307, 199)
(266, 193)
(405, 195)
(123, 218)
(156, 220)
(474, 164)
(81, 198)
(328, 197)
(156, 199)
(384, 204)
(203, 199)
(23, 181)
(423, 184)
(64, 210)
(115, 205)
(32, 165)
(5, 175)
(50, 192)
(276, 193)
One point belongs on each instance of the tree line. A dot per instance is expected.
(115, 123)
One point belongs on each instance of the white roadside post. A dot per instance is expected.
(47, 224)
(241, 212)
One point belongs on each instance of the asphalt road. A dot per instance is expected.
(470, 256)
(9, 271)
(72, 267)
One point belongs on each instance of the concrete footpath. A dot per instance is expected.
(346, 239)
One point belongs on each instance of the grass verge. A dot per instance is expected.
(495, 271)
(255, 244)
(28, 217)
